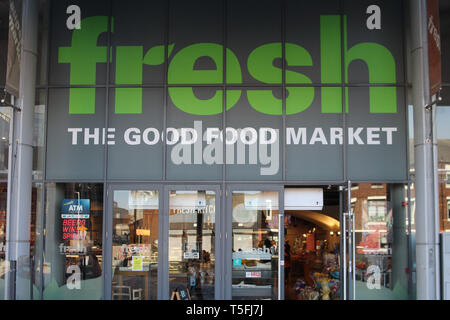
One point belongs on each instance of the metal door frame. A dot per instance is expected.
(348, 278)
(218, 267)
(228, 233)
(107, 233)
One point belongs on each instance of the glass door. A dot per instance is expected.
(255, 223)
(377, 241)
(348, 245)
(193, 244)
(133, 235)
(313, 243)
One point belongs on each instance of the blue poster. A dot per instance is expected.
(75, 208)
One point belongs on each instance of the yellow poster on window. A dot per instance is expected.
(136, 263)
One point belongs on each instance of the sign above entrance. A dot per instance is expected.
(303, 198)
(337, 83)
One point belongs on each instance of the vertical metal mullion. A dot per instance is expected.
(165, 263)
(343, 89)
(224, 246)
(228, 242)
(224, 85)
(44, 169)
(163, 256)
(281, 282)
(353, 248)
(107, 214)
(107, 242)
(165, 86)
(223, 214)
(343, 243)
(42, 240)
(43, 197)
(283, 163)
(405, 89)
(347, 215)
(406, 102)
(217, 250)
(161, 243)
(347, 258)
(410, 247)
(283, 85)
(351, 240)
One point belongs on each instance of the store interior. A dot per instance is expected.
(312, 245)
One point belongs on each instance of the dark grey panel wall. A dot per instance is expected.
(143, 161)
(314, 160)
(67, 161)
(61, 36)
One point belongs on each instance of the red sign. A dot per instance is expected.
(310, 242)
(434, 47)
(253, 274)
(74, 229)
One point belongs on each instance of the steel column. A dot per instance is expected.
(20, 177)
(427, 212)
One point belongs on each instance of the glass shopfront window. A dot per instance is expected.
(443, 138)
(411, 139)
(192, 249)
(381, 241)
(39, 135)
(444, 206)
(3, 267)
(5, 123)
(255, 244)
(36, 240)
(448, 208)
(135, 244)
(73, 259)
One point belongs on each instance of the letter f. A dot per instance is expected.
(83, 57)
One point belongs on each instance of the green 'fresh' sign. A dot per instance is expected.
(84, 54)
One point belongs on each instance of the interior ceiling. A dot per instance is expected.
(320, 219)
(331, 200)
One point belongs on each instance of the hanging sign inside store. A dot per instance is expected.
(191, 251)
(191, 255)
(256, 274)
(143, 232)
(254, 253)
(310, 242)
(237, 262)
(75, 214)
(143, 199)
(75, 208)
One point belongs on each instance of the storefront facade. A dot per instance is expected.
(181, 145)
